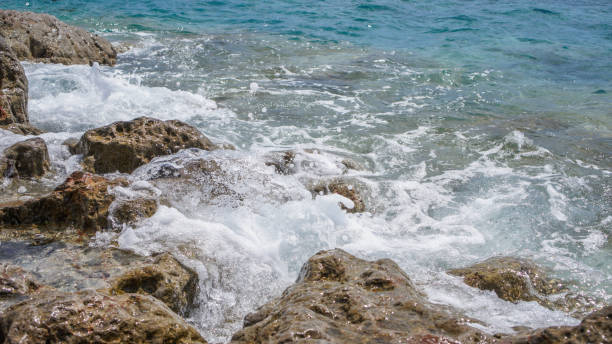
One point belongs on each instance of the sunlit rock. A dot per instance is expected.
(25, 159)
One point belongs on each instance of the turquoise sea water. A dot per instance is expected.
(484, 128)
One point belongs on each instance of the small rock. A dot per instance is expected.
(512, 279)
(72, 144)
(339, 298)
(13, 87)
(131, 211)
(14, 281)
(94, 317)
(124, 146)
(82, 202)
(43, 38)
(166, 279)
(341, 188)
(21, 129)
(26, 159)
(283, 162)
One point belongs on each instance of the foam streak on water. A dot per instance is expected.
(485, 131)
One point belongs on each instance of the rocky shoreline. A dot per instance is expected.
(117, 296)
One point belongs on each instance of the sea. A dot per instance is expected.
(474, 129)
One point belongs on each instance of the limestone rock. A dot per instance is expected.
(124, 146)
(512, 279)
(131, 211)
(43, 38)
(13, 87)
(595, 328)
(25, 159)
(72, 144)
(21, 129)
(342, 188)
(166, 279)
(339, 298)
(93, 317)
(82, 202)
(14, 281)
(283, 162)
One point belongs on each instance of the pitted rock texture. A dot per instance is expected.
(124, 146)
(93, 317)
(44, 38)
(512, 279)
(13, 87)
(81, 202)
(25, 159)
(166, 279)
(341, 188)
(21, 129)
(339, 298)
(14, 281)
(131, 211)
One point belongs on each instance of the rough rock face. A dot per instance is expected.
(339, 298)
(344, 189)
(130, 211)
(166, 279)
(512, 279)
(595, 328)
(43, 38)
(21, 129)
(13, 87)
(92, 317)
(124, 146)
(25, 159)
(82, 202)
(14, 281)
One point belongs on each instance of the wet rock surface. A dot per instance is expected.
(13, 87)
(21, 129)
(165, 279)
(93, 317)
(81, 202)
(131, 211)
(43, 38)
(339, 298)
(512, 279)
(124, 146)
(342, 188)
(25, 159)
(14, 281)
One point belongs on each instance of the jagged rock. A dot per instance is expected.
(512, 279)
(82, 202)
(43, 38)
(25, 159)
(342, 188)
(166, 279)
(124, 146)
(93, 317)
(283, 162)
(131, 211)
(21, 129)
(596, 328)
(339, 298)
(14, 281)
(72, 144)
(13, 87)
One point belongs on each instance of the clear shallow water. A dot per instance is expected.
(483, 128)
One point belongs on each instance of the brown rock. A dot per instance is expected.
(43, 38)
(14, 281)
(72, 144)
(283, 162)
(25, 159)
(512, 279)
(82, 202)
(93, 317)
(21, 129)
(339, 298)
(596, 328)
(344, 189)
(124, 146)
(131, 211)
(166, 279)
(13, 87)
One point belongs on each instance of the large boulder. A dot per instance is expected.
(81, 202)
(13, 88)
(512, 279)
(93, 317)
(25, 159)
(124, 146)
(339, 298)
(165, 278)
(43, 38)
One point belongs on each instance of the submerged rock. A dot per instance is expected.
(283, 162)
(341, 188)
(13, 87)
(512, 279)
(124, 146)
(25, 159)
(43, 38)
(93, 317)
(339, 298)
(165, 278)
(81, 202)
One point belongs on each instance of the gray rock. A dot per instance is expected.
(13, 87)
(43, 38)
(25, 159)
